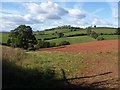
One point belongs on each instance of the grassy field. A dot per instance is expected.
(73, 40)
(111, 37)
(4, 37)
(75, 32)
(57, 30)
(44, 36)
(102, 30)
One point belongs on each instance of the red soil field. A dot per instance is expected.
(89, 47)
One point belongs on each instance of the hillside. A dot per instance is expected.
(72, 34)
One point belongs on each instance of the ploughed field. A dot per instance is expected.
(90, 47)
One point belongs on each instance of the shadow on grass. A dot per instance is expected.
(16, 77)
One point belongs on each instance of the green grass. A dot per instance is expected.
(111, 37)
(104, 30)
(73, 40)
(75, 32)
(4, 37)
(69, 62)
(57, 30)
(44, 36)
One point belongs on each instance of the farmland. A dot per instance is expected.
(73, 40)
(86, 63)
(104, 30)
(59, 69)
(111, 37)
(72, 36)
(59, 45)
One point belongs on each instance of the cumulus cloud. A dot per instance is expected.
(77, 13)
(48, 10)
(10, 21)
(19, 19)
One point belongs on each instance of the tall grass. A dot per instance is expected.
(13, 54)
(16, 76)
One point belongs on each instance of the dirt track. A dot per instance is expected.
(90, 47)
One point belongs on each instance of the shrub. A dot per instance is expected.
(64, 43)
(8, 42)
(45, 44)
(31, 48)
(81, 34)
(88, 31)
(94, 35)
(118, 31)
(50, 38)
(42, 44)
(52, 44)
(60, 35)
(101, 33)
(39, 44)
(99, 38)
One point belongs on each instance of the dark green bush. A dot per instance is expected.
(64, 43)
(52, 44)
(94, 35)
(118, 31)
(42, 44)
(60, 35)
(101, 34)
(50, 38)
(45, 44)
(8, 42)
(81, 34)
(31, 48)
(99, 38)
(88, 31)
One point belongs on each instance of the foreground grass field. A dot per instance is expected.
(57, 69)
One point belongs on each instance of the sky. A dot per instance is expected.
(49, 14)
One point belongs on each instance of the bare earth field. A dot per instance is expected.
(100, 72)
(91, 47)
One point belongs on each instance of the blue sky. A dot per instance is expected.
(42, 15)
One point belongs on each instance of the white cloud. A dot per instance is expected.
(77, 13)
(19, 19)
(10, 21)
(27, 17)
(47, 10)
